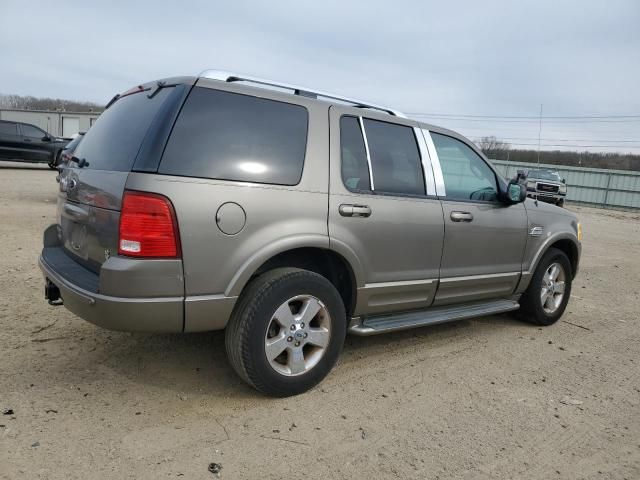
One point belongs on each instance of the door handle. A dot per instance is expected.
(350, 210)
(461, 217)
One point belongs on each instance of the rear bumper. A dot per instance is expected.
(79, 294)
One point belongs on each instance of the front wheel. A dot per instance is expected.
(546, 297)
(286, 332)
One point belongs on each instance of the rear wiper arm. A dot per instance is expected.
(82, 162)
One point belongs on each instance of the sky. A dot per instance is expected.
(452, 63)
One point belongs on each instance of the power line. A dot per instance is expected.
(568, 145)
(533, 121)
(498, 137)
(544, 117)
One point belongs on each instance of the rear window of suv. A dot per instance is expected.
(112, 143)
(229, 136)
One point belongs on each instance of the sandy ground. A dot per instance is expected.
(488, 398)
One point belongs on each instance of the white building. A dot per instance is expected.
(58, 123)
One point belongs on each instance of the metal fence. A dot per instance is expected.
(592, 186)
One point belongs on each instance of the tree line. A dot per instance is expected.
(499, 150)
(22, 102)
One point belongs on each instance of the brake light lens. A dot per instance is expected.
(148, 226)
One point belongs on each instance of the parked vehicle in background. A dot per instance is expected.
(67, 152)
(546, 185)
(216, 202)
(24, 142)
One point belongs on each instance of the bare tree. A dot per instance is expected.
(57, 104)
(493, 148)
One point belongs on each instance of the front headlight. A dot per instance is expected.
(563, 188)
(579, 232)
(531, 185)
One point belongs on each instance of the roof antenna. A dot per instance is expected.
(539, 133)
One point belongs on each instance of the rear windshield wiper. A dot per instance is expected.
(82, 162)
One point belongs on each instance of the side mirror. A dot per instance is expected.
(46, 138)
(564, 180)
(516, 192)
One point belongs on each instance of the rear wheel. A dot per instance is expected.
(286, 332)
(546, 298)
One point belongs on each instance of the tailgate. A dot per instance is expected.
(93, 182)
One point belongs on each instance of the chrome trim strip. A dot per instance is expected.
(478, 277)
(426, 162)
(366, 147)
(226, 76)
(401, 283)
(435, 163)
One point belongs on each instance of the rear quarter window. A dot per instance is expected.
(230, 136)
(113, 142)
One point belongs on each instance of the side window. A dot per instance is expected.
(229, 136)
(395, 158)
(355, 169)
(466, 174)
(8, 128)
(31, 131)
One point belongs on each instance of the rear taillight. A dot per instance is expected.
(148, 226)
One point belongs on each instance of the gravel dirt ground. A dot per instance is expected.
(487, 398)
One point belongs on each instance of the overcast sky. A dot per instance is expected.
(468, 57)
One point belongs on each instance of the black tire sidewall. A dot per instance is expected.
(532, 303)
(262, 375)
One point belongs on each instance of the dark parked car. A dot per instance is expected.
(24, 142)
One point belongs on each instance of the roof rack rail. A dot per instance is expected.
(225, 76)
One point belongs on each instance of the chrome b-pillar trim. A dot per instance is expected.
(366, 148)
(435, 163)
(426, 162)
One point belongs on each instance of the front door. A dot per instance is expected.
(484, 239)
(36, 148)
(383, 210)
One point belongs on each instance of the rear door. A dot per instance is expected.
(484, 238)
(90, 195)
(383, 209)
(10, 141)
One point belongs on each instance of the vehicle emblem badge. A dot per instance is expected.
(535, 231)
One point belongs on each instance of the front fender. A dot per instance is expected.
(537, 251)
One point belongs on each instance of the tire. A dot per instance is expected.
(560, 203)
(532, 308)
(255, 325)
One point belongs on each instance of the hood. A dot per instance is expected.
(542, 208)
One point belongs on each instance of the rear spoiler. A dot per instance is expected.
(154, 86)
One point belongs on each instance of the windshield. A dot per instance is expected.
(544, 175)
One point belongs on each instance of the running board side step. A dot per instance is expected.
(374, 325)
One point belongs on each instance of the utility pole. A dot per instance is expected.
(539, 133)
